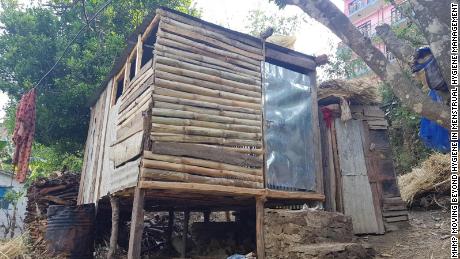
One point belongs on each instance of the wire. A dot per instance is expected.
(72, 41)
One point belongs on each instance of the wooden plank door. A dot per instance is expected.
(356, 190)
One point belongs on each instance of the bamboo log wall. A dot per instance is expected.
(206, 122)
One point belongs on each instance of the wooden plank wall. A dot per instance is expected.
(136, 99)
(357, 195)
(207, 111)
(92, 163)
(382, 174)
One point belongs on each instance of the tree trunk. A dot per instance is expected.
(13, 219)
(401, 49)
(404, 87)
(115, 204)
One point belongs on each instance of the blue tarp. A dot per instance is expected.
(433, 135)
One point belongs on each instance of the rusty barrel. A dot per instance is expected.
(70, 230)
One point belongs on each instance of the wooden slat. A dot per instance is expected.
(207, 84)
(243, 101)
(203, 163)
(208, 74)
(251, 106)
(198, 170)
(357, 194)
(211, 153)
(200, 35)
(201, 188)
(255, 43)
(130, 127)
(167, 137)
(171, 96)
(203, 117)
(206, 124)
(218, 36)
(230, 55)
(127, 149)
(164, 175)
(217, 63)
(305, 63)
(396, 219)
(203, 131)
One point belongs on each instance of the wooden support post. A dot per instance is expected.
(260, 227)
(183, 253)
(170, 228)
(137, 225)
(115, 204)
(206, 216)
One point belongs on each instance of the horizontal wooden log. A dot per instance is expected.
(213, 153)
(203, 117)
(200, 35)
(307, 64)
(192, 49)
(204, 83)
(206, 124)
(202, 131)
(167, 137)
(163, 50)
(175, 97)
(191, 169)
(253, 42)
(204, 163)
(306, 196)
(230, 55)
(163, 175)
(214, 35)
(210, 74)
(243, 101)
(168, 92)
(190, 108)
(255, 87)
(201, 188)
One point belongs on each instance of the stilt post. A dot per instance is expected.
(260, 201)
(137, 225)
(115, 204)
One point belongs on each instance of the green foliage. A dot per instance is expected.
(46, 160)
(408, 150)
(13, 196)
(33, 38)
(259, 20)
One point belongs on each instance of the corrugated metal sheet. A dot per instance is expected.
(125, 176)
(288, 130)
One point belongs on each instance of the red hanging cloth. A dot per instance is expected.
(327, 116)
(23, 134)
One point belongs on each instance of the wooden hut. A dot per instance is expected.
(359, 176)
(194, 117)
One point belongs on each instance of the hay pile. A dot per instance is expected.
(425, 185)
(14, 248)
(357, 91)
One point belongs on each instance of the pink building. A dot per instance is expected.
(368, 14)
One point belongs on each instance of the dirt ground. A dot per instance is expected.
(427, 237)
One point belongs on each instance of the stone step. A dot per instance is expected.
(327, 250)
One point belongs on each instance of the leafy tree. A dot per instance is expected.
(34, 37)
(426, 15)
(259, 20)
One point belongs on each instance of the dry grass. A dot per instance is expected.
(432, 176)
(14, 248)
(359, 91)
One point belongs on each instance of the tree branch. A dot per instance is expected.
(401, 49)
(436, 33)
(404, 88)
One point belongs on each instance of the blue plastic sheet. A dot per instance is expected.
(433, 135)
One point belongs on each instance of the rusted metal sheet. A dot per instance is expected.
(125, 176)
(70, 231)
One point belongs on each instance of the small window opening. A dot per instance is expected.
(132, 68)
(148, 46)
(119, 89)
